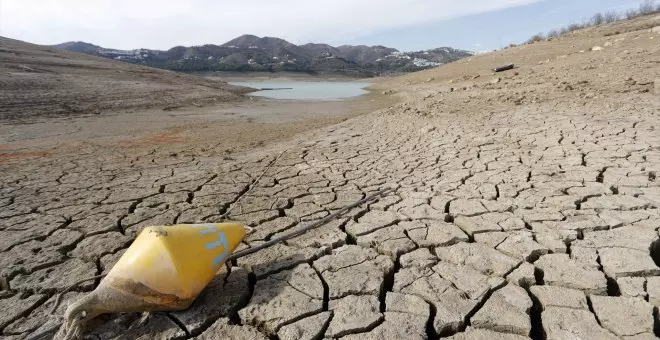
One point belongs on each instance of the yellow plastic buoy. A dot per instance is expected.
(164, 269)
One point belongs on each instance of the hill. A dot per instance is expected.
(269, 54)
(44, 81)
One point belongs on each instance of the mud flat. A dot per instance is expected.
(526, 207)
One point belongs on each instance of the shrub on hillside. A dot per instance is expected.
(611, 17)
(598, 19)
(536, 38)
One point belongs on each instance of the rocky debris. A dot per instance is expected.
(551, 296)
(354, 270)
(223, 329)
(567, 323)
(309, 328)
(560, 270)
(353, 314)
(506, 311)
(284, 298)
(623, 316)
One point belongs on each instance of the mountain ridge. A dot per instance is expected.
(271, 54)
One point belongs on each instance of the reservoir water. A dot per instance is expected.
(302, 90)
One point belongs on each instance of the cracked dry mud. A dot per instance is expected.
(535, 220)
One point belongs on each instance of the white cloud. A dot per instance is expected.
(163, 24)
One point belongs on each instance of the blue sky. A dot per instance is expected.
(476, 25)
(495, 29)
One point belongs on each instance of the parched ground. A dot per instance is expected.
(526, 205)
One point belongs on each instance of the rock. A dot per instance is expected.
(309, 328)
(551, 296)
(353, 314)
(596, 48)
(218, 299)
(282, 298)
(632, 286)
(221, 330)
(568, 323)
(623, 316)
(505, 311)
(496, 80)
(619, 262)
(560, 270)
(14, 307)
(655, 30)
(523, 276)
(607, 44)
(479, 256)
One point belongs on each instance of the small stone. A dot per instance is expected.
(596, 48)
(623, 316)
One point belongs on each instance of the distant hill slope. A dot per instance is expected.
(252, 53)
(43, 81)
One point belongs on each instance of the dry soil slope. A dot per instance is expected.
(43, 81)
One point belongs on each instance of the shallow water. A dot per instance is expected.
(302, 90)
